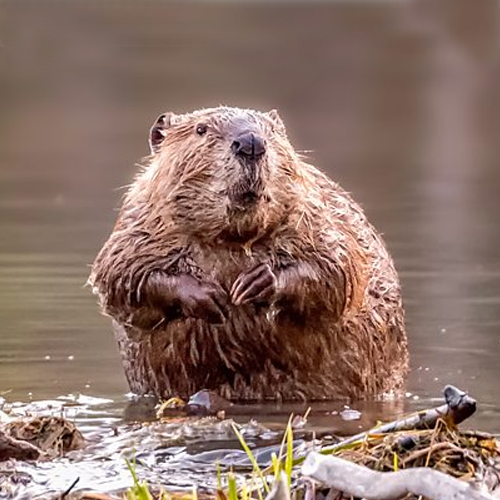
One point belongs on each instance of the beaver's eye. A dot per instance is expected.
(201, 129)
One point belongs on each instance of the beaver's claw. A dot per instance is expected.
(204, 300)
(256, 285)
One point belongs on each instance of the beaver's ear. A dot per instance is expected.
(276, 119)
(157, 133)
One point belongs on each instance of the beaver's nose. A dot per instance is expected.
(249, 146)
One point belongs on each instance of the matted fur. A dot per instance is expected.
(335, 326)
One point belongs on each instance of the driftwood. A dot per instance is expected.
(15, 448)
(356, 480)
(53, 435)
(37, 438)
(458, 406)
(362, 482)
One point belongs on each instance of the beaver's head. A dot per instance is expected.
(223, 172)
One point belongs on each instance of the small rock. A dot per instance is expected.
(350, 414)
(206, 402)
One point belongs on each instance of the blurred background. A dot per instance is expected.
(398, 101)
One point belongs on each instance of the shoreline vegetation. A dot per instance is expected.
(422, 456)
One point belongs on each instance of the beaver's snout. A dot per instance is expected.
(249, 146)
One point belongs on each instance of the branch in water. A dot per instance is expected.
(362, 482)
(458, 407)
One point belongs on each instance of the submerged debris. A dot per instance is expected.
(202, 403)
(428, 441)
(17, 449)
(34, 438)
(422, 451)
(462, 454)
(471, 456)
(458, 407)
(207, 403)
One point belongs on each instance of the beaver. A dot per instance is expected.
(237, 267)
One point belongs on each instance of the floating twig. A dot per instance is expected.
(68, 491)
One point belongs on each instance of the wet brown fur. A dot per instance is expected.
(335, 326)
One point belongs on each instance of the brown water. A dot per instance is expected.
(397, 101)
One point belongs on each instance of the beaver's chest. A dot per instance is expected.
(224, 264)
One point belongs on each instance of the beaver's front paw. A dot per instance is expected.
(202, 299)
(257, 285)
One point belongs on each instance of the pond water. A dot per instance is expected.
(397, 101)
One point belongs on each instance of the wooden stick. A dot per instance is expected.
(362, 482)
(429, 451)
(459, 406)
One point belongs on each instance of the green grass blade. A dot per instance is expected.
(251, 457)
(276, 466)
(259, 494)
(219, 477)
(283, 441)
(131, 468)
(231, 486)
(139, 490)
(289, 453)
(244, 491)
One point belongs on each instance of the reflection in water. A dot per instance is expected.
(395, 99)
